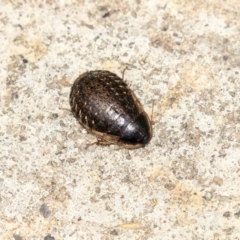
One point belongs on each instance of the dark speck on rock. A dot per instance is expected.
(237, 214)
(14, 96)
(17, 237)
(44, 210)
(169, 186)
(25, 60)
(22, 138)
(226, 214)
(225, 58)
(54, 115)
(114, 232)
(49, 237)
(107, 14)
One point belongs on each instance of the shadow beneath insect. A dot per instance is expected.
(105, 143)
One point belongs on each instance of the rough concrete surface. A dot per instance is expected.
(184, 56)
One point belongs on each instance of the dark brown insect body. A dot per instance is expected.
(104, 105)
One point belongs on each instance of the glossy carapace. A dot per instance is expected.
(104, 105)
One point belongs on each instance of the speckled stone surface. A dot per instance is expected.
(184, 56)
